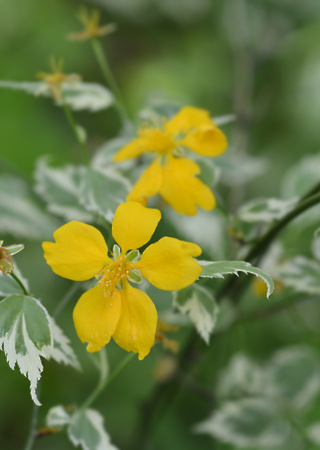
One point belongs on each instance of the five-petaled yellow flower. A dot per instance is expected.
(113, 308)
(174, 178)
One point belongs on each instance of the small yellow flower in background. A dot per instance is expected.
(91, 25)
(260, 288)
(55, 79)
(171, 176)
(114, 308)
(161, 336)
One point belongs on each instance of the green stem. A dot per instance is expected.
(110, 80)
(263, 243)
(19, 282)
(105, 380)
(75, 130)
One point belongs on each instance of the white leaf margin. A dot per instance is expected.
(78, 95)
(62, 351)
(30, 365)
(96, 420)
(217, 269)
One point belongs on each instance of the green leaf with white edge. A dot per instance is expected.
(60, 189)
(250, 423)
(36, 88)
(200, 306)
(242, 377)
(265, 210)
(25, 335)
(15, 248)
(79, 96)
(210, 172)
(87, 430)
(300, 273)
(87, 96)
(57, 417)
(217, 269)
(21, 212)
(103, 191)
(62, 352)
(293, 375)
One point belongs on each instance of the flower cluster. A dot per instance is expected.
(172, 176)
(113, 308)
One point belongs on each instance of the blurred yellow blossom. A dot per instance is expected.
(170, 175)
(91, 26)
(114, 308)
(161, 336)
(56, 77)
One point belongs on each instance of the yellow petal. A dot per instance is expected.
(138, 322)
(133, 225)
(182, 189)
(149, 184)
(186, 119)
(206, 140)
(169, 264)
(96, 317)
(79, 253)
(132, 150)
(149, 140)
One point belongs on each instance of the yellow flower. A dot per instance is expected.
(91, 25)
(55, 79)
(113, 308)
(174, 178)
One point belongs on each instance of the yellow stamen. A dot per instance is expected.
(113, 274)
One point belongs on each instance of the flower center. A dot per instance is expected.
(113, 274)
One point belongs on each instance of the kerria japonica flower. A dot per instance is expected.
(113, 308)
(172, 176)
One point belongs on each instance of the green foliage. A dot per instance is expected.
(247, 423)
(265, 210)
(77, 95)
(300, 273)
(84, 427)
(255, 67)
(200, 305)
(259, 405)
(25, 336)
(80, 193)
(21, 213)
(217, 269)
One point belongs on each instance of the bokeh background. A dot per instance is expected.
(258, 60)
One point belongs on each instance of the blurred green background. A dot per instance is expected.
(259, 60)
